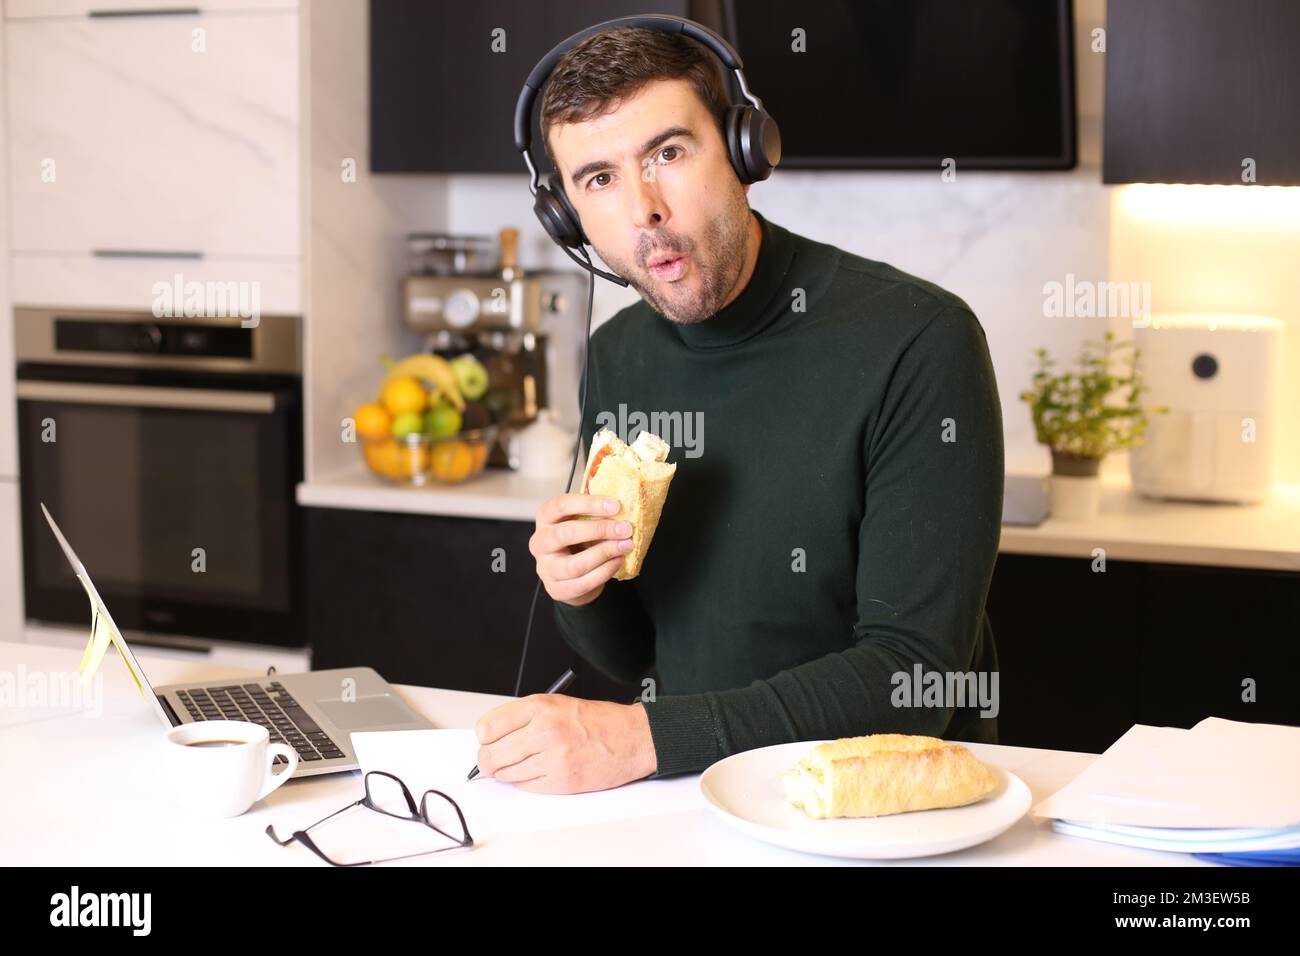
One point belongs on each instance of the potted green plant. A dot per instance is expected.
(1085, 414)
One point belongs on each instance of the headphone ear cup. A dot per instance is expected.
(557, 216)
(731, 127)
(753, 142)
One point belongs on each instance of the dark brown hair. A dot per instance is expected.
(600, 72)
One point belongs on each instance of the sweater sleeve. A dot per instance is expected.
(614, 633)
(933, 457)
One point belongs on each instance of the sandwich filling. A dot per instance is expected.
(646, 450)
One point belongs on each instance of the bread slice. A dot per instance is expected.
(638, 476)
(881, 774)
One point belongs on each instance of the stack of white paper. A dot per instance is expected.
(1222, 787)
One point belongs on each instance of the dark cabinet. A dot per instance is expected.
(1194, 88)
(1205, 631)
(445, 77)
(1083, 656)
(1067, 643)
(419, 598)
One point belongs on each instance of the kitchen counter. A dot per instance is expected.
(1265, 536)
(133, 822)
(497, 493)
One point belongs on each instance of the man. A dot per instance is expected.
(834, 534)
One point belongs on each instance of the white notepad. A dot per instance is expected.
(1220, 774)
(441, 759)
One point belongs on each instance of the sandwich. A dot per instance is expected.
(880, 774)
(637, 475)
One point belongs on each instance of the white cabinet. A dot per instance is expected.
(125, 137)
(90, 282)
(29, 9)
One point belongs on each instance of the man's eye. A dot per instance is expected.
(667, 148)
(594, 178)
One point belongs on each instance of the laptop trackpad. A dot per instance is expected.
(364, 712)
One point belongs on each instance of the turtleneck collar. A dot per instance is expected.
(758, 305)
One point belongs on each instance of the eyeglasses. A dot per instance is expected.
(388, 795)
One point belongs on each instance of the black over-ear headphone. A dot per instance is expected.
(753, 140)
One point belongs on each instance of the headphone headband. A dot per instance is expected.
(751, 135)
(655, 21)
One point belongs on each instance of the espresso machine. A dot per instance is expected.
(525, 327)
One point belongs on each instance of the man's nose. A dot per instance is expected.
(649, 210)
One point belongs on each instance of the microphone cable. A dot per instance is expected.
(582, 410)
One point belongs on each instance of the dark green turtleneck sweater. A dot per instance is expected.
(835, 514)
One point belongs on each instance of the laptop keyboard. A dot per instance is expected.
(272, 707)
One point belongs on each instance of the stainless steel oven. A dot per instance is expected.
(169, 451)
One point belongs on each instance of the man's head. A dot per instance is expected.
(632, 121)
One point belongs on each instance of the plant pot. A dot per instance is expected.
(1075, 487)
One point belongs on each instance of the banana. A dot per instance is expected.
(434, 370)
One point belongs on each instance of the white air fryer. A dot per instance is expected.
(1219, 376)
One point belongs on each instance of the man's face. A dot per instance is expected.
(652, 179)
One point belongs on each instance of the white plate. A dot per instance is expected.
(745, 790)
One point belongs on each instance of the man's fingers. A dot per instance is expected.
(575, 557)
(505, 756)
(566, 505)
(505, 719)
(569, 566)
(566, 589)
(526, 768)
(568, 533)
(563, 537)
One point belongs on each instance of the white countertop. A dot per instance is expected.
(1129, 527)
(86, 795)
(1133, 528)
(496, 493)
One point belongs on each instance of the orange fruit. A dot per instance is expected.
(384, 457)
(395, 458)
(373, 420)
(452, 461)
(404, 395)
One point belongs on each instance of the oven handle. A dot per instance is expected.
(203, 399)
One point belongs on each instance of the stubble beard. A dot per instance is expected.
(719, 268)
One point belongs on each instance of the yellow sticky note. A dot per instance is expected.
(103, 633)
(100, 638)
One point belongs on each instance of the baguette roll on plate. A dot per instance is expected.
(880, 774)
(638, 476)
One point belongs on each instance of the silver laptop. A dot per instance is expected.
(314, 713)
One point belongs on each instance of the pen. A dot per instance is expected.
(561, 682)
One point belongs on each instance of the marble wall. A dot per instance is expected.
(354, 237)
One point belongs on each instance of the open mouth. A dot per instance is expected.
(670, 270)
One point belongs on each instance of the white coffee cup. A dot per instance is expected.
(220, 768)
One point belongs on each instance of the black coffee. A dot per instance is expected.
(215, 743)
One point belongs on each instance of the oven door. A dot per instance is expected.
(177, 493)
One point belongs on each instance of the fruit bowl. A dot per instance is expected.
(418, 459)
